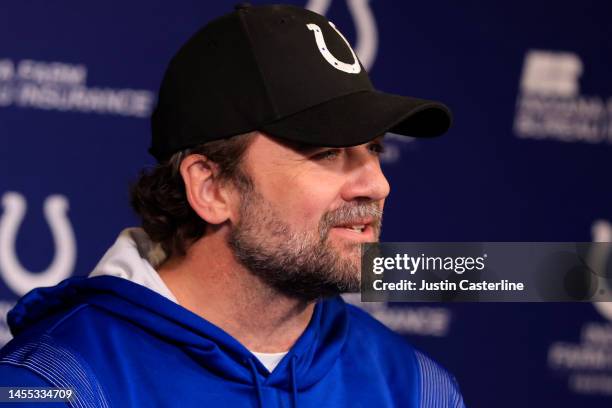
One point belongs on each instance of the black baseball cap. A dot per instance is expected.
(285, 71)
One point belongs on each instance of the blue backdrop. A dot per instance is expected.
(528, 159)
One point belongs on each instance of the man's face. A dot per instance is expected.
(301, 225)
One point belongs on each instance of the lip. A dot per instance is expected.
(359, 221)
(366, 236)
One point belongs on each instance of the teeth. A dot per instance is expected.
(358, 228)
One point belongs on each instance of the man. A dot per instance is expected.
(268, 134)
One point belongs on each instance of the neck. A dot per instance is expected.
(209, 282)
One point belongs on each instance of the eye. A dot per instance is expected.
(329, 154)
(377, 147)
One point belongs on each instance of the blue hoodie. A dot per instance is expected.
(117, 343)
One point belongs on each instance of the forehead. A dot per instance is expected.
(263, 144)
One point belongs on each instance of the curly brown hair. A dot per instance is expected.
(158, 195)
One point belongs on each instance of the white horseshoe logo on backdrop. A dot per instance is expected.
(598, 258)
(353, 68)
(16, 277)
(365, 26)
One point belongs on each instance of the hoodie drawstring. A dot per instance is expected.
(293, 381)
(257, 383)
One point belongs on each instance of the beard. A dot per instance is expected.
(300, 264)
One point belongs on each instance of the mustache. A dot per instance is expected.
(350, 213)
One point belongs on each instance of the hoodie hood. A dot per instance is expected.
(134, 257)
(109, 290)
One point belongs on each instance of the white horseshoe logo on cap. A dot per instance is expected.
(16, 277)
(365, 26)
(353, 68)
(598, 258)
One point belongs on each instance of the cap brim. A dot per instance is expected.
(360, 117)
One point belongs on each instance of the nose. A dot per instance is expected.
(366, 180)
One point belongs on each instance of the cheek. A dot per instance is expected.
(305, 203)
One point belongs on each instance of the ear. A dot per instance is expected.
(205, 193)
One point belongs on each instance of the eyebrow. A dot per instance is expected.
(302, 148)
(306, 149)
